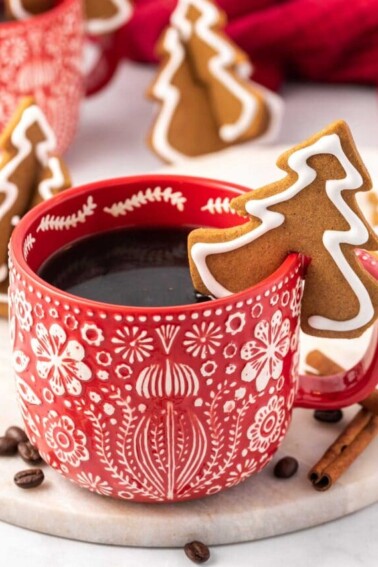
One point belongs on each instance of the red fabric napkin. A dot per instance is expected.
(316, 40)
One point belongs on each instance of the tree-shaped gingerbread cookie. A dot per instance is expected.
(30, 172)
(312, 210)
(207, 100)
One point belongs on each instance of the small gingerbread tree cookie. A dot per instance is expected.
(312, 210)
(30, 172)
(207, 100)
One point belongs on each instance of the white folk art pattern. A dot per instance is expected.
(65, 222)
(155, 408)
(218, 206)
(142, 198)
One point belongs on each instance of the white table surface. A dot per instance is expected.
(110, 143)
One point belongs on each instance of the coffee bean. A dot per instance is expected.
(17, 434)
(286, 467)
(197, 552)
(7, 447)
(328, 416)
(29, 453)
(30, 478)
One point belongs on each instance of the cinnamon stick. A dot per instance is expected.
(352, 441)
(371, 402)
(322, 364)
(343, 452)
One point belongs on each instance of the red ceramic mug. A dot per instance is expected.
(158, 404)
(43, 57)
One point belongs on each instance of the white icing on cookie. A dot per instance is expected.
(18, 11)
(164, 90)
(99, 26)
(56, 181)
(19, 140)
(357, 235)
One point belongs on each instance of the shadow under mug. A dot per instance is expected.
(158, 404)
(43, 57)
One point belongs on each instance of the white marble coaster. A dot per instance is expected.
(263, 506)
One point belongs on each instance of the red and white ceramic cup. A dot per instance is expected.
(43, 57)
(158, 404)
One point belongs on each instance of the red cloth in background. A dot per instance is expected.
(316, 40)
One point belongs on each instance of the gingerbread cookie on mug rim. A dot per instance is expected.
(30, 172)
(105, 16)
(207, 100)
(313, 211)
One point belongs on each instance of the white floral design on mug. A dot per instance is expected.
(94, 483)
(235, 323)
(23, 310)
(203, 339)
(267, 425)
(60, 361)
(67, 442)
(266, 353)
(133, 344)
(92, 334)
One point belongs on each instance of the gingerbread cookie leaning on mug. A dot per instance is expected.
(313, 211)
(30, 172)
(207, 100)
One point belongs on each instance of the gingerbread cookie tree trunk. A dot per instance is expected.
(208, 101)
(29, 173)
(313, 211)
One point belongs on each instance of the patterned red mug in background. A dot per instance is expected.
(44, 57)
(158, 404)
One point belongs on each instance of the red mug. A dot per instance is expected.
(159, 404)
(43, 57)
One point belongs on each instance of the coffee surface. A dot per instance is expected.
(144, 267)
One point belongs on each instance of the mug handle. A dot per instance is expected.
(351, 386)
(345, 388)
(106, 65)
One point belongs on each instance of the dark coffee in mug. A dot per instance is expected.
(143, 267)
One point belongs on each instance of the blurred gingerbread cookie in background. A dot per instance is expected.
(105, 16)
(312, 210)
(24, 9)
(207, 100)
(30, 172)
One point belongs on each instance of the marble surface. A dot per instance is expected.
(110, 143)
